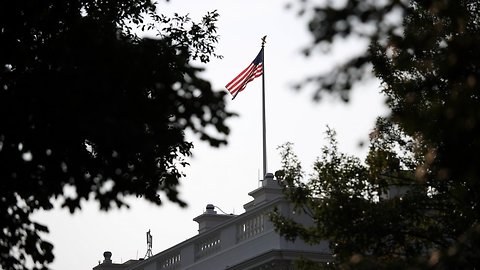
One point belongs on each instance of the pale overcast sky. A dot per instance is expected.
(224, 176)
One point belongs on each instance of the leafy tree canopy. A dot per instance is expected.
(87, 105)
(414, 201)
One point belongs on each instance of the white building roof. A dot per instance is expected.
(246, 241)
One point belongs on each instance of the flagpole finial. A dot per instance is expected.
(263, 41)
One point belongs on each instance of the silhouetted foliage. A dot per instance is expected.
(413, 203)
(375, 214)
(90, 110)
(334, 22)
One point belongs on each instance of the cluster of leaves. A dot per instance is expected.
(413, 203)
(332, 23)
(87, 105)
(375, 214)
(430, 76)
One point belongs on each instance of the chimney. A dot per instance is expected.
(270, 190)
(210, 219)
(107, 255)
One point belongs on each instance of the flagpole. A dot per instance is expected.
(263, 113)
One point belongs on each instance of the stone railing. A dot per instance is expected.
(250, 227)
(207, 247)
(226, 237)
(171, 261)
(226, 241)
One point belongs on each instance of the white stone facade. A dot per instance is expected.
(246, 241)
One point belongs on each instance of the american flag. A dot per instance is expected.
(254, 70)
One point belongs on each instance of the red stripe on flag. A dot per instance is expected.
(254, 70)
(240, 80)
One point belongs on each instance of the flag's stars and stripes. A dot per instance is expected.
(254, 70)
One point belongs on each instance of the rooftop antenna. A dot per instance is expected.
(149, 245)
